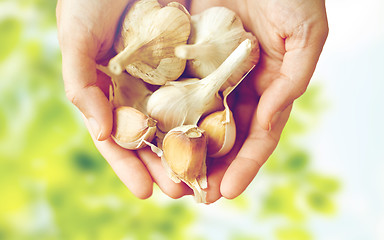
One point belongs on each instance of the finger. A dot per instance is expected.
(127, 166)
(215, 173)
(298, 65)
(255, 151)
(80, 80)
(160, 177)
(58, 12)
(243, 103)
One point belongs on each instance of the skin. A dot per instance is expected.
(291, 34)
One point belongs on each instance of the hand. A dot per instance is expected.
(86, 31)
(291, 35)
(288, 42)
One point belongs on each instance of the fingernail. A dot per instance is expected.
(95, 127)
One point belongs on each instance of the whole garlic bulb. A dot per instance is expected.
(215, 33)
(184, 155)
(131, 128)
(184, 102)
(179, 104)
(146, 41)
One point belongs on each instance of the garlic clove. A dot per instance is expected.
(220, 129)
(184, 150)
(146, 41)
(131, 127)
(127, 90)
(215, 33)
(220, 126)
(175, 104)
(180, 7)
(184, 155)
(184, 102)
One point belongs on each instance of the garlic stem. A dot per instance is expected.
(184, 102)
(105, 70)
(193, 133)
(118, 63)
(193, 51)
(217, 78)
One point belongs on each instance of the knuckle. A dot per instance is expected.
(302, 89)
(71, 96)
(299, 90)
(323, 32)
(326, 30)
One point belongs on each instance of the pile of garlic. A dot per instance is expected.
(193, 63)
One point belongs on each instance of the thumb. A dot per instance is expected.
(80, 78)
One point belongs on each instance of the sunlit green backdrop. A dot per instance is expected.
(55, 185)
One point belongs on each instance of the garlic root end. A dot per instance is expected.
(186, 51)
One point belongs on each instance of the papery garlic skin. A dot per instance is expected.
(215, 33)
(184, 155)
(185, 149)
(220, 126)
(127, 90)
(131, 127)
(184, 102)
(220, 129)
(179, 104)
(146, 41)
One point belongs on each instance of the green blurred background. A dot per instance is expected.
(55, 185)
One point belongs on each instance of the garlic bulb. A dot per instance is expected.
(131, 128)
(127, 90)
(184, 155)
(184, 102)
(146, 41)
(215, 33)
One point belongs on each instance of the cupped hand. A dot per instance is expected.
(86, 31)
(291, 34)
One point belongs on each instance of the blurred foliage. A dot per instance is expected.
(293, 233)
(296, 192)
(55, 185)
(10, 29)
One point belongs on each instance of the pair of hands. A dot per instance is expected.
(291, 34)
